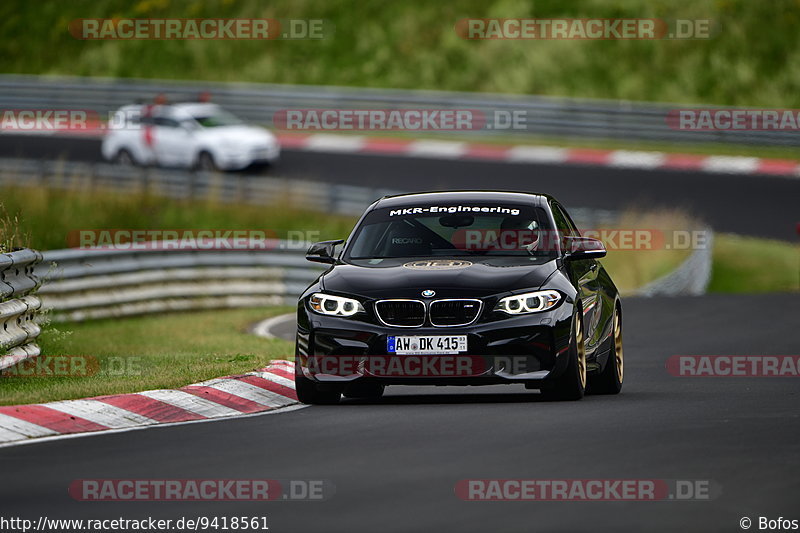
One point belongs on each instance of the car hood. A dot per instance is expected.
(241, 135)
(457, 277)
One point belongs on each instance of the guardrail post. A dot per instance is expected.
(18, 306)
(144, 183)
(191, 177)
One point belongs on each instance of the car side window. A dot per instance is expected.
(570, 223)
(165, 122)
(563, 223)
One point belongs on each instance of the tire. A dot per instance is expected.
(571, 384)
(308, 393)
(261, 167)
(205, 161)
(124, 158)
(609, 381)
(366, 390)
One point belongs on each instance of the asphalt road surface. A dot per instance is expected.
(764, 206)
(395, 462)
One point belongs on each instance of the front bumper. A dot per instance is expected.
(522, 349)
(237, 160)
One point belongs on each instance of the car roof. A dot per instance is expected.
(194, 108)
(182, 109)
(413, 199)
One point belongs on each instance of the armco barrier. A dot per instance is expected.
(83, 284)
(691, 278)
(18, 306)
(547, 116)
(91, 283)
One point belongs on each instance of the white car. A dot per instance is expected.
(188, 135)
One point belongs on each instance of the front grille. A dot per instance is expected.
(402, 313)
(260, 152)
(454, 312)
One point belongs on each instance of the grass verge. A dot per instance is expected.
(149, 352)
(11, 231)
(748, 265)
(46, 216)
(630, 265)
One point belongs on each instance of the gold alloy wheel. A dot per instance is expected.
(618, 357)
(581, 352)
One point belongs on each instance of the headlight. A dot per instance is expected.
(530, 302)
(328, 304)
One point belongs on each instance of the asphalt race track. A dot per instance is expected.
(395, 462)
(758, 205)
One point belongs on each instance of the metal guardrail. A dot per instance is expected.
(691, 278)
(181, 184)
(136, 283)
(81, 284)
(548, 116)
(18, 306)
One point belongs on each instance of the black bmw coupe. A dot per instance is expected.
(460, 288)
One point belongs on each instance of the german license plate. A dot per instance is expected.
(426, 344)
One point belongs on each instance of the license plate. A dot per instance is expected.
(426, 344)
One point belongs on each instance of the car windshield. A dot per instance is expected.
(217, 119)
(453, 230)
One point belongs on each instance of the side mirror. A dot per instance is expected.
(583, 248)
(322, 252)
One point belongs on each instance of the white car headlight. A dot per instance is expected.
(530, 302)
(328, 304)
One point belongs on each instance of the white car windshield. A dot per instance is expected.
(217, 119)
(453, 230)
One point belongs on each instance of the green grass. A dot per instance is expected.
(11, 235)
(150, 352)
(46, 217)
(748, 265)
(752, 59)
(633, 268)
